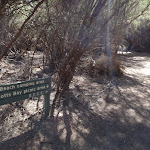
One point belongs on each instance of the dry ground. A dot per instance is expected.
(102, 115)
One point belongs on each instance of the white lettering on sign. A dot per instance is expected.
(36, 94)
(25, 85)
(22, 85)
(6, 88)
(6, 95)
(40, 82)
(16, 93)
(1, 88)
(29, 90)
(47, 86)
(41, 93)
(12, 87)
(30, 95)
(41, 88)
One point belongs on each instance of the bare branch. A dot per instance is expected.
(20, 30)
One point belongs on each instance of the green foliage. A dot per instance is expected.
(142, 5)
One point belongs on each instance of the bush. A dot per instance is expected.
(100, 66)
(139, 39)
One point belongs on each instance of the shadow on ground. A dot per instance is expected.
(80, 128)
(114, 132)
(123, 124)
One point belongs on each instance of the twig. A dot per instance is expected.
(20, 31)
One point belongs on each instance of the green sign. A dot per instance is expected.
(20, 91)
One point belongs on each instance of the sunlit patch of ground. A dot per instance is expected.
(124, 52)
(137, 69)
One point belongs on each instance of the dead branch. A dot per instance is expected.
(20, 31)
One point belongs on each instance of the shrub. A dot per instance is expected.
(100, 66)
(139, 39)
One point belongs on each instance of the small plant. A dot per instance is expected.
(100, 66)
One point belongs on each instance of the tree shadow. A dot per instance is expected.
(44, 135)
(78, 127)
(113, 132)
(127, 81)
(21, 141)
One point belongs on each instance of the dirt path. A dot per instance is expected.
(120, 120)
(100, 117)
(137, 82)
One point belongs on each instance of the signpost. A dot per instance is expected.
(23, 90)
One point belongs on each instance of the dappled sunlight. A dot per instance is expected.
(124, 52)
(132, 115)
(138, 67)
